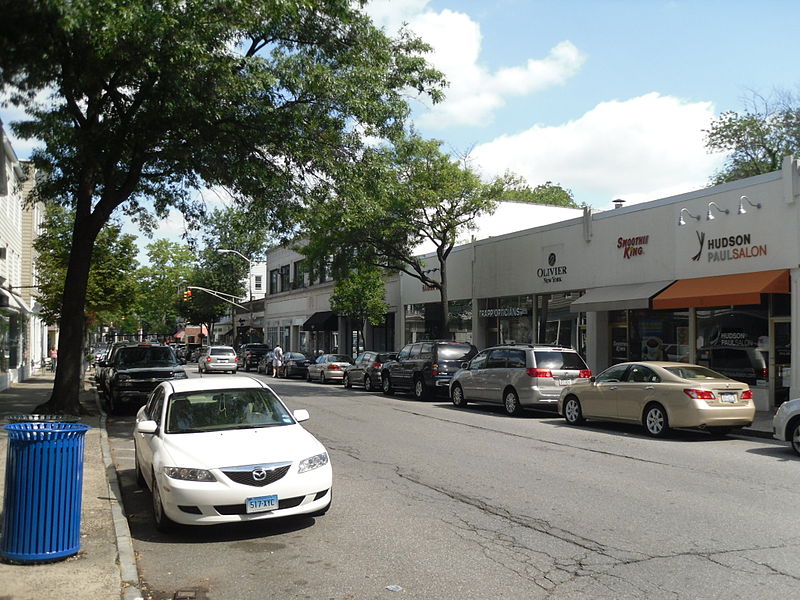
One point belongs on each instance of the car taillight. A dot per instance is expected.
(377, 365)
(747, 395)
(764, 372)
(584, 374)
(434, 369)
(208, 359)
(235, 359)
(699, 394)
(538, 372)
(333, 368)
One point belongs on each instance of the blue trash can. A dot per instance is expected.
(43, 487)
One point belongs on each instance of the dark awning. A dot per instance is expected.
(325, 320)
(618, 297)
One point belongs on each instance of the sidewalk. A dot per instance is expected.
(105, 567)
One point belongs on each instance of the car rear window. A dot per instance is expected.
(550, 359)
(218, 351)
(453, 351)
(695, 372)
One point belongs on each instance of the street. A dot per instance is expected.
(435, 502)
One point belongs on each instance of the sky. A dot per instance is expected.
(608, 98)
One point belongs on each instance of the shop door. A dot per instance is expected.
(780, 360)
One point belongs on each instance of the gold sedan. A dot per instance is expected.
(660, 395)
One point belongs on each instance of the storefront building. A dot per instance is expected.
(710, 276)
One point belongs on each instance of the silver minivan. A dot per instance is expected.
(217, 359)
(518, 376)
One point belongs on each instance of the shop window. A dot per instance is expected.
(273, 281)
(284, 277)
(658, 335)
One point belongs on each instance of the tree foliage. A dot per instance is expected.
(112, 288)
(360, 296)
(403, 195)
(548, 193)
(757, 138)
(169, 264)
(150, 101)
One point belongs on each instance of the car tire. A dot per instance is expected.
(573, 413)
(346, 381)
(655, 421)
(386, 385)
(511, 403)
(420, 389)
(322, 379)
(163, 523)
(368, 383)
(794, 435)
(457, 396)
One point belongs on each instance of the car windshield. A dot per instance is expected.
(146, 356)
(213, 410)
(695, 372)
(559, 360)
(453, 351)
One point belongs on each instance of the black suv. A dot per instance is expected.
(425, 367)
(250, 354)
(135, 371)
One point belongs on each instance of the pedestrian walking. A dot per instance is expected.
(53, 359)
(277, 360)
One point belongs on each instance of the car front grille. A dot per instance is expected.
(257, 476)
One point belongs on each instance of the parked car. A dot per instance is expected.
(366, 370)
(227, 450)
(426, 367)
(265, 363)
(786, 423)
(101, 371)
(660, 395)
(518, 376)
(136, 370)
(295, 364)
(217, 359)
(328, 367)
(251, 354)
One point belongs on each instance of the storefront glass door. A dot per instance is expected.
(780, 368)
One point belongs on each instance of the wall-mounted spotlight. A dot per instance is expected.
(680, 216)
(742, 200)
(709, 216)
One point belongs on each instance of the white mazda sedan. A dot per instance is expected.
(227, 450)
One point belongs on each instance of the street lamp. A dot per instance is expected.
(249, 281)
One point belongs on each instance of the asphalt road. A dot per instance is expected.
(434, 502)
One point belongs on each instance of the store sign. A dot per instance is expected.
(729, 247)
(503, 312)
(632, 246)
(552, 273)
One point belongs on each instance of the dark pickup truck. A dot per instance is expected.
(135, 371)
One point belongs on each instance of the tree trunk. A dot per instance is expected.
(72, 325)
(445, 331)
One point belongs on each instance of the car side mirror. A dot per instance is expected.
(465, 365)
(301, 414)
(592, 378)
(146, 427)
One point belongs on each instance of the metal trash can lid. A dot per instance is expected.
(44, 431)
(33, 418)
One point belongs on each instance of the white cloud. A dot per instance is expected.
(640, 149)
(474, 92)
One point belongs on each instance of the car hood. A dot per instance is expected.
(230, 448)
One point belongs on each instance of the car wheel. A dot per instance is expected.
(457, 396)
(367, 383)
(322, 378)
(387, 385)
(347, 383)
(572, 411)
(511, 403)
(420, 389)
(163, 523)
(655, 420)
(794, 428)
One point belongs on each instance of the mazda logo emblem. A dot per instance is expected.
(259, 474)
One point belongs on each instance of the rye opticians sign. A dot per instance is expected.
(632, 246)
(729, 247)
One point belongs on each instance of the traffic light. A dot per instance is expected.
(187, 295)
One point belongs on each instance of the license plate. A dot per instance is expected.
(222, 359)
(564, 381)
(728, 398)
(262, 504)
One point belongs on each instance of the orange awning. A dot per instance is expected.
(723, 290)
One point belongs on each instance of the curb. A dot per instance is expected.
(129, 573)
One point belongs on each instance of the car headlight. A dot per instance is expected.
(313, 462)
(186, 474)
(181, 375)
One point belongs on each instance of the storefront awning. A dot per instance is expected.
(619, 297)
(325, 320)
(723, 290)
(12, 301)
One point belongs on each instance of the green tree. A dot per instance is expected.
(111, 289)
(153, 100)
(757, 138)
(546, 193)
(402, 196)
(360, 296)
(169, 264)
